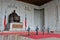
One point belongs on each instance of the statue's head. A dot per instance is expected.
(14, 11)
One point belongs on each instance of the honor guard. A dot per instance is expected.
(48, 30)
(37, 30)
(43, 29)
(28, 30)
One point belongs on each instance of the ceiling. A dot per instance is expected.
(36, 2)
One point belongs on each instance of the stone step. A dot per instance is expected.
(13, 37)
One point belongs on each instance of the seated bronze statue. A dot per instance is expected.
(13, 17)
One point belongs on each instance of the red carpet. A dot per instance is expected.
(41, 36)
(32, 34)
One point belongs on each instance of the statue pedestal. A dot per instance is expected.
(16, 26)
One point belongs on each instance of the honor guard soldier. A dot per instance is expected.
(48, 30)
(43, 29)
(28, 30)
(37, 30)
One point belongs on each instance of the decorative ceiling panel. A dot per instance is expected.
(36, 2)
